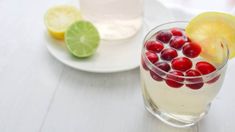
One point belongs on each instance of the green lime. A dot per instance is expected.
(82, 39)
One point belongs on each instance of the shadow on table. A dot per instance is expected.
(158, 126)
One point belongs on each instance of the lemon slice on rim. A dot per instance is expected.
(59, 18)
(210, 29)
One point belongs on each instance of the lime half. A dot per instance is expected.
(82, 39)
(210, 29)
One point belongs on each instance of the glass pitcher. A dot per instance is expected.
(115, 19)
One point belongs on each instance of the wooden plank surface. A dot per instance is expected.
(28, 73)
(89, 102)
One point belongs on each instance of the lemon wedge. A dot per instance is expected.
(59, 18)
(210, 29)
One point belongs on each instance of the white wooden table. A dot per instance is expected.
(39, 94)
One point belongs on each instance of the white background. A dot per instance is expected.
(39, 94)
(218, 5)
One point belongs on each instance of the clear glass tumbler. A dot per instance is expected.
(115, 19)
(178, 99)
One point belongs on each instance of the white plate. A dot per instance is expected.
(114, 56)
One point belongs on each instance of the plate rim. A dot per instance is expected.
(89, 70)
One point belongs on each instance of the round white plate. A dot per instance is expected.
(114, 56)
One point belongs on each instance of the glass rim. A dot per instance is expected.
(206, 77)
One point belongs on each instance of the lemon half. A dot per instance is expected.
(59, 18)
(210, 29)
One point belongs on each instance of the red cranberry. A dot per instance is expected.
(163, 65)
(205, 67)
(169, 54)
(155, 76)
(158, 73)
(197, 82)
(164, 37)
(177, 42)
(143, 64)
(188, 39)
(214, 79)
(191, 50)
(176, 32)
(152, 57)
(181, 64)
(154, 46)
(174, 79)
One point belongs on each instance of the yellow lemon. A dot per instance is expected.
(59, 18)
(210, 29)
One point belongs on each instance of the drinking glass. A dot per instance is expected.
(185, 105)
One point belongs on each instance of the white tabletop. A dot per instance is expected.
(39, 94)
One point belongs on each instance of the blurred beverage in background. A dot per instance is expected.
(115, 19)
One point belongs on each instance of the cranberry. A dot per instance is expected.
(214, 79)
(181, 64)
(154, 46)
(197, 82)
(164, 37)
(163, 65)
(174, 79)
(169, 54)
(158, 73)
(177, 42)
(143, 64)
(176, 32)
(191, 50)
(188, 39)
(152, 57)
(155, 76)
(205, 67)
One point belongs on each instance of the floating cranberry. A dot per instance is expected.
(177, 42)
(163, 66)
(181, 64)
(143, 64)
(154, 46)
(191, 50)
(164, 37)
(195, 83)
(152, 57)
(176, 32)
(169, 54)
(175, 79)
(205, 67)
(188, 39)
(155, 76)
(214, 79)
